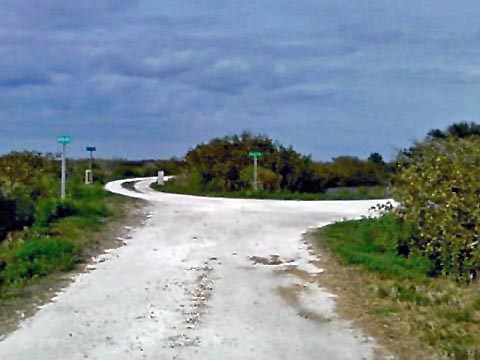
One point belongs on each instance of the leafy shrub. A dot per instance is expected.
(438, 186)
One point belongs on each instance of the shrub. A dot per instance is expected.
(438, 187)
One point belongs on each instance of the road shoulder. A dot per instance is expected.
(24, 303)
(357, 302)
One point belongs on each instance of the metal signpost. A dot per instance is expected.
(89, 173)
(91, 149)
(255, 155)
(64, 140)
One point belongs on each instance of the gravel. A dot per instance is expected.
(184, 286)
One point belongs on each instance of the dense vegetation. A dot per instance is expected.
(223, 166)
(39, 234)
(418, 258)
(439, 190)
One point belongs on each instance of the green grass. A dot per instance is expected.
(376, 192)
(59, 237)
(39, 257)
(438, 311)
(372, 243)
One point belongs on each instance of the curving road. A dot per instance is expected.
(202, 278)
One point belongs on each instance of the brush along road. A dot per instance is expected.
(202, 278)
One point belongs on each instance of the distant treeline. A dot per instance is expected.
(223, 164)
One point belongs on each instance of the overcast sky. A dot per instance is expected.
(151, 78)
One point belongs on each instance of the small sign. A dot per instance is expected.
(91, 148)
(64, 139)
(255, 154)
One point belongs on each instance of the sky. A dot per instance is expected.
(151, 79)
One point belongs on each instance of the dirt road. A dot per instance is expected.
(201, 279)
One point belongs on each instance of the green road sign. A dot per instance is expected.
(255, 154)
(91, 148)
(64, 139)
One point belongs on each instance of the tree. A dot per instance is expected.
(458, 130)
(221, 161)
(376, 158)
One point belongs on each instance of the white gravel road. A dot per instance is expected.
(201, 279)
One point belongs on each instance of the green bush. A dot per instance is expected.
(438, 186)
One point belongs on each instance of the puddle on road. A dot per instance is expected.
(298, 273)
(292, 294)
(272, 260)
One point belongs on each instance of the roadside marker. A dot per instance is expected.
(255, 155)
(64, 140)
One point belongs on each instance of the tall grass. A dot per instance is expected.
(58, 237)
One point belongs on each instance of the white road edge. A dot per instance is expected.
(193, 282)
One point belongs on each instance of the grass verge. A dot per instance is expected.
(362, 193)
(395, 299)
(59, 238)
(43, 262)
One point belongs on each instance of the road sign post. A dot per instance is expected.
(255, 155)
(64, 140)
(89, 177)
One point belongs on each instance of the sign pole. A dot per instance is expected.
(63, 192)
(64, 140)
(255, 173)
(255, 155)
(89, 172)
(91, 160)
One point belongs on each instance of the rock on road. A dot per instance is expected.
(201, 278)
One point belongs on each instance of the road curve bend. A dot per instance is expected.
(201, 278)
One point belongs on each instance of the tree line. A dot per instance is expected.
(223, 164)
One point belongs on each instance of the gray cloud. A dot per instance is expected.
(168, 74)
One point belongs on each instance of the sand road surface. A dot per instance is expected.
(201, 278)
